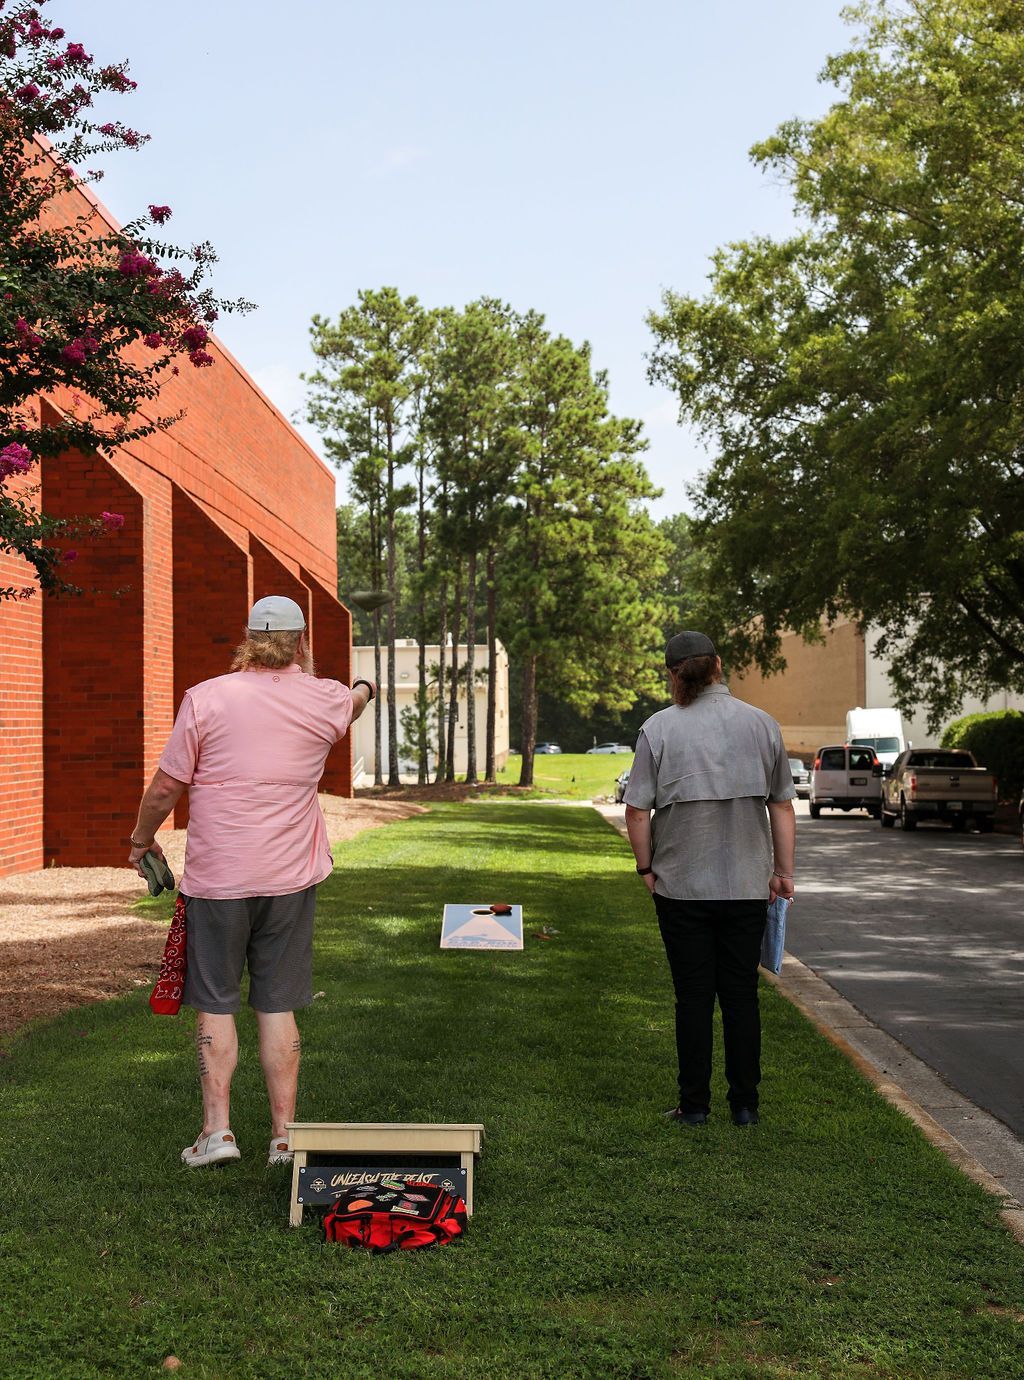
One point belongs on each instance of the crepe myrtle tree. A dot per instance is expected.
(99, 313)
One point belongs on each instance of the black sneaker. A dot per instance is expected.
(745, 1116)
(682, 1118)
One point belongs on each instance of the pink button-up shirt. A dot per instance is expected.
(252, 746)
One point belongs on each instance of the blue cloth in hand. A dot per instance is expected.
(774, 942)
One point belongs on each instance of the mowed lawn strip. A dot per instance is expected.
(831, 1241)
(569, 775)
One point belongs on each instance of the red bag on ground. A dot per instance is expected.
(381, 1219)
(165, 998)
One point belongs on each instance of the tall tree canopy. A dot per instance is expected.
(862, 383)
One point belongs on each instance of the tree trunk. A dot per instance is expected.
(453, 693)
(442, 666)
(471, 777)
(378, 768)
(529, 719)
(490, 768)
(422, 765)
(394, 772)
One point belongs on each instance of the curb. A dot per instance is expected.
(1011, 1213)
(796, 982)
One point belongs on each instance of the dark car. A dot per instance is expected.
(547, 747)
(801, 777)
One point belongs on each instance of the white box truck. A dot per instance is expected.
(881, 729)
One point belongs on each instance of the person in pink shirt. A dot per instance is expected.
(250, 748)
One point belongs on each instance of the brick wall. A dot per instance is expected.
(21, 715)
(94, 705)
(227, 504)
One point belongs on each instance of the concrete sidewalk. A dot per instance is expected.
(981, 1146)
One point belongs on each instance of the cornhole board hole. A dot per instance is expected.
(477, 927)
(332, 1157)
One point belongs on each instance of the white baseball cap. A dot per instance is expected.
(275, 613)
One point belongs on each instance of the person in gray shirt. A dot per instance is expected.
(721, 846)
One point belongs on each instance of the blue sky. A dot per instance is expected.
(575, 156)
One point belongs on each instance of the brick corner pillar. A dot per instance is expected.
(332, 648)
(94, 670)
(21, 707)
(212, 595)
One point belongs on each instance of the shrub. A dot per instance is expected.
(997, 741)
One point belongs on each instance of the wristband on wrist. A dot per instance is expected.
(360, 681)
(786, 876)
(644, 871)
(135, 843)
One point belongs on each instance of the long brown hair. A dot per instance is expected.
(272, 651)
(691, 676)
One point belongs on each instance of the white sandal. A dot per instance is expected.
(216, 1148)
(279, 1153)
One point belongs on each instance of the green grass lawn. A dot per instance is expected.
(569, 775)
(831, 1241)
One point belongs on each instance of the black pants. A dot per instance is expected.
(713, 950)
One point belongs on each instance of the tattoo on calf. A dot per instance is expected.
(296, 1046)
(203, 1043)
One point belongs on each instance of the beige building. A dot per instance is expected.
(407, 683)
(821, 682)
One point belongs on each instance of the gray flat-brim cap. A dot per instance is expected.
(276, 613)
(686, 644)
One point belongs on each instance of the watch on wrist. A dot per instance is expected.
(360, 681)
(644, 871)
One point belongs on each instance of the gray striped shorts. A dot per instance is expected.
(272, 934)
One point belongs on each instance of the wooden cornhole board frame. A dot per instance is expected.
(464, 1139)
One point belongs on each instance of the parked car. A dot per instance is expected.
(621, 782)
(801, 777)
(547, 747)
(845, 777)
(609, 748)
(938, 783)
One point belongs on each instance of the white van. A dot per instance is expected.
(846, 777)
(881, 729)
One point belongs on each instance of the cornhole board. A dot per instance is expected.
(446, 1145)
(477, 927)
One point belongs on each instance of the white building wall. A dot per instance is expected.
(879, 695)
(407, 682)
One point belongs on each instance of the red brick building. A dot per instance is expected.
(226, 506)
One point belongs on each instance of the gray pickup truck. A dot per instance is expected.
(938, 783)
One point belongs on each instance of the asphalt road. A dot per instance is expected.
(924, 933)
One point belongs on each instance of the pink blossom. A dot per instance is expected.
(160, 214)
(26, 335)
(56, 33)
(70, 556)
(112, 521)
(132, 264)
(131, 137)
(74, 353)
(175, 370)
(55, 63)
(209, 314)
(199, 359)
(36, 32)
(154, 340)
(14, 459)
(117, 80)
(109, 129)
(76, 55)
(194, 337)
(27, 93)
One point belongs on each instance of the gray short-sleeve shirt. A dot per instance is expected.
(707, 771)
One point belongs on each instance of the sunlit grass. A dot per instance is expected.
(831, 1241)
